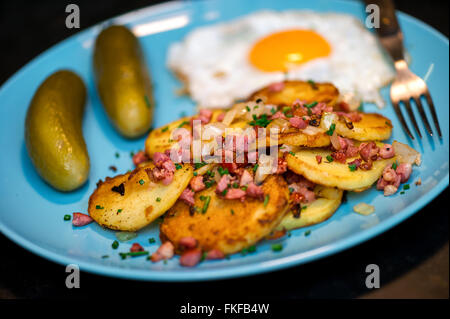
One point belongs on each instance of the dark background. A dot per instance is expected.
(413, 257)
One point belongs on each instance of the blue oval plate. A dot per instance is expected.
(32, 212)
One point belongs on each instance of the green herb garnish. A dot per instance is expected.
(311, 105)
(266, 200)
(205, 206)
(307, 233)
(292, 153)
(183, 124)
(329, 158)
(147, 101)
(141, 181)
(117, 155)
(158, 199)
(255, 168)
(222, 171)
(165, 129)
(277, 247)
(198, 165)
(262, 121)
(178, 166)
(331, 129)
(115, 244)
(119, 210)
(151, 240)
(99, 207)
(352, 167)
(232, 212)
(406, 187)
(67, 217)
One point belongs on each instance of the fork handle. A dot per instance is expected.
(389, 32)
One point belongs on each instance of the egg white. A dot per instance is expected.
(213, 60)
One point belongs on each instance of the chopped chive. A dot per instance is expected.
(291, 190)
(165, 261)
(178, 166)
(147, 101)
(195, 173)
(198, 165)
(119, 210)
(222, 171)
(292, 153)
(235, 185)
(232, 212)
(151, 240)
(406, 187)
(117, 155)
(202, 197)
(330, 158)
(248, 109)
(225, 191)
(244, 188)
(277, 247)
(255, 107)
(133, 254)
(307, 233)
(183, 124)
(352, 167)
(131, 154)
(266, 200)
(273, 110)
(67, 217)
(394, 165)
(205, 206)
(115, 244)
(255, 167)
(142, 182)
(165, 129)
(331, 129)
(402, 192)
(311, 105)
(158, 199)
(99, 207)
(210, 183)
(105, 256)
(251, 249)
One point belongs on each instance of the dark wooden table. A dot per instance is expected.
(413, 257)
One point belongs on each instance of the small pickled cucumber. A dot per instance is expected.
(123, 81)
(53, 133)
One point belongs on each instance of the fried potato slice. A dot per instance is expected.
(143, 201)
(372, 127)
(293, 90)
(228, 225)
(296, 137)
(327, 202)
(334, 174)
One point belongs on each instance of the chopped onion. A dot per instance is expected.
(281, 124)
(312, 130)
(285, 148)
(213, 130)
(327, 120)
(125, 236)
(335, 141)
(264, 168)
(364, 209)
(229, 117)
(255, 110)
(406, 154)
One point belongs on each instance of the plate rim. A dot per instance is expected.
(196, 274)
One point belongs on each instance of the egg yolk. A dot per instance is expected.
(288, 49)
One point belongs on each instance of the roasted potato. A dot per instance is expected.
(293, 90)
(227, 225)
(327, 202)
(372, 127)
(334, 174)
(143, 200)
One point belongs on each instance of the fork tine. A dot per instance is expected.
(412, 117)
(433, 112)
(402, 119)
(423, 115)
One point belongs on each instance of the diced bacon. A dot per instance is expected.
(159, 158)
(351, 151)
(357, 162)
(161, 174)
(165, 251)
(220, 117)
(308, 196)
(366, 165)
(339, 156)
(234, 193)
(387, 151)
(303, 182)
(184, 138)
(169, 166)
(215, 254)
(368, 151)
(80, 219)
(197, 184)
(320, 108)
(318, 159)
(298, 122)
(205, 115)
(223, 183)
(279, 115)
(136, 247)
(390, 190)
(343, 142)
(188, 197)
(276, 87)
(381, 184)
(246, 178)
(389, 174)
(291, 177)
(188, 242)
(352, 116)
(140, 157)
(281, 166)
(252, 157)
(255, 191)
(404, 170)
(191, 257)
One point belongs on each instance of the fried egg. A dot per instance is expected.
(222, 63)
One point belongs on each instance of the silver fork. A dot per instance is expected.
(407, 86)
